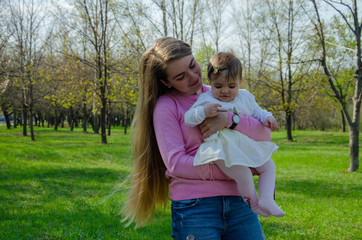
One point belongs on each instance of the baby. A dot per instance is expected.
(232, 151)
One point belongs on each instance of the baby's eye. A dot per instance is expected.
(231, 86)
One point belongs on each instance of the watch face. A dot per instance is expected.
(236, 119)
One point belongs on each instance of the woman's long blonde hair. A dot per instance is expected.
(149, 186)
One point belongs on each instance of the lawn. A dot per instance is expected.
(67, 185)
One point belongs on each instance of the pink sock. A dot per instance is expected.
(245, 182)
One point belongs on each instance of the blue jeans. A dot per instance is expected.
(214, 218)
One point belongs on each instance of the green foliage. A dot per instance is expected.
(203, 56)
(66, 185)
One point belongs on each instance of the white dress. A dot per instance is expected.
(231, 146)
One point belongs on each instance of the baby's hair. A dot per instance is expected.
(224, 64)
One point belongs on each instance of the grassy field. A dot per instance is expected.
(65, 185)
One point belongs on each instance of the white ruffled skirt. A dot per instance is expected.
(234, 148)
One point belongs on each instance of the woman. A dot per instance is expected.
(205, 202)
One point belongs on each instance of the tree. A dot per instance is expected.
(286, 66)
(245, 30)
(179, 18)
(4, 67)
(215, 15)
(352, 21)
(27, 42)
(93, 22)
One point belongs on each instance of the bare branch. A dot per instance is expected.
(340, 12)
(336, 45)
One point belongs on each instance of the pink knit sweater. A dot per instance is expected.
(178, 144)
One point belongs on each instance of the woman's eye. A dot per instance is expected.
(180, 78)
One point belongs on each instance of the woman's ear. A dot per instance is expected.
(167, 84)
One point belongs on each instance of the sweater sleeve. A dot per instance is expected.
(258, 112)
(251, 127)
(171, 140)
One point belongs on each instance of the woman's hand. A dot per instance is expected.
(214, 124)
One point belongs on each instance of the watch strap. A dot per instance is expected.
(233, 125)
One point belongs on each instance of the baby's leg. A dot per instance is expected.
(266, 185)
(244, 179)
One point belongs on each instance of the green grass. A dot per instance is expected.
(65, 185)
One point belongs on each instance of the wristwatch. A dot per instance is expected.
(236, 120)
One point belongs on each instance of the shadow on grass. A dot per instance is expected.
(83, 221)
(320, 189)
(70, 203)
(301, 138)
(49, 184)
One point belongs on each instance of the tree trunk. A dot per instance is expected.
(31, 96)
(103, 120)
(62, 119)
(36, 120)
(96, 123)
(343, 122)
(31, 125)
(109, 125)
(15, 114)
(353, 148)
(71, 119)
(164, 17)
(85, 117)
(289, 125)
(25, 116)
(125, 120)
(55, 119)
(109, 119)
(7, 117)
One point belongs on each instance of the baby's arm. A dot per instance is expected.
(204, 107)
(263, 115)
(194, 116)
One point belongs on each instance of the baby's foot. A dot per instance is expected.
(256, 209)
(271, 208)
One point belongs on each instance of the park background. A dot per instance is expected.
(68, 90)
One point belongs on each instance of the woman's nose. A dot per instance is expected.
(193, 76)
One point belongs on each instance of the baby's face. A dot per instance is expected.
(223, 90)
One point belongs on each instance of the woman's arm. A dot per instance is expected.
(178, 144)
(248, 125)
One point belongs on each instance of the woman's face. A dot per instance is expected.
(184, 74)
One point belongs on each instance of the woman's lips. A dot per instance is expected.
(195, 83)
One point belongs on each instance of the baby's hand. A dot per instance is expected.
(271, 123)
(211, 110)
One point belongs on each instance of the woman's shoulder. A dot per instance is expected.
(205, 88)
(165, 106)
(165, 99)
